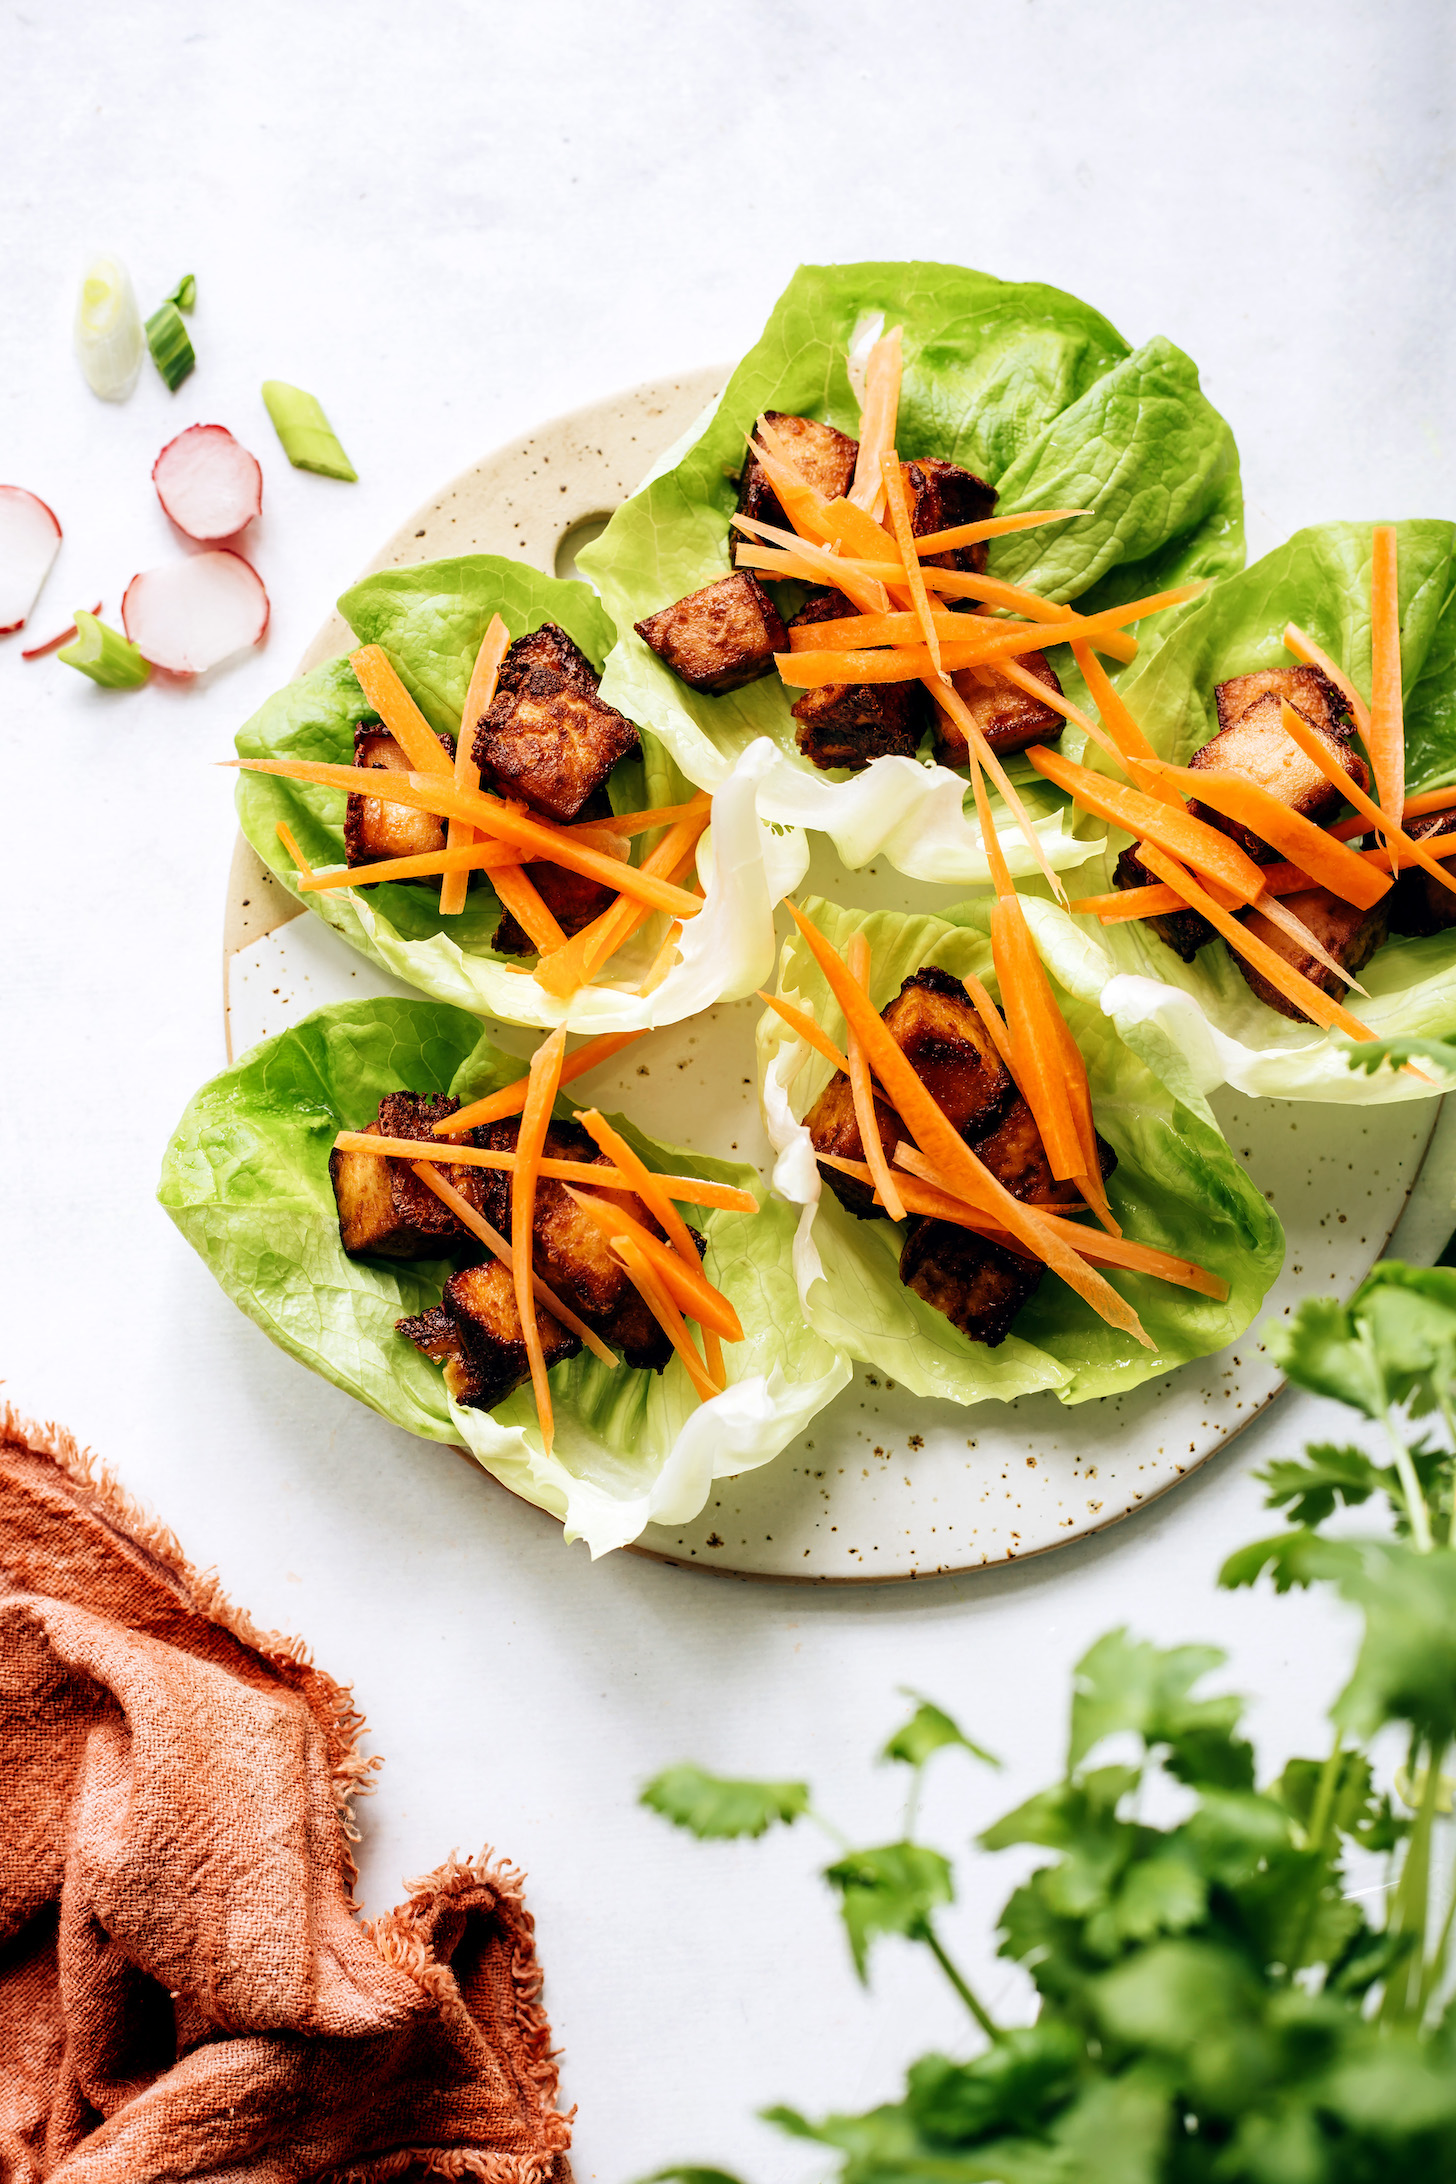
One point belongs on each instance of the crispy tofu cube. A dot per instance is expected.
(721, 637)
(1009, 718)
(475, 1332)
(848, 724)
(1420, 905)
(1016, 1156)
(1184, 931)
(385, 1212)
(1350, 935)
(551, 648)
(375, 829)
(571, 1254)
(1257, 746)
(824, 458)
(547, 738)
(978, 1285)
(1308, 689)
(572, 899)
(933, 1023)
(941, 496)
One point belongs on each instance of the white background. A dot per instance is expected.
(451, 221)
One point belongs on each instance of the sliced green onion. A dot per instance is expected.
(105, 655)
(167, 338)
(108, 330)
(307, 436)
(184, 295)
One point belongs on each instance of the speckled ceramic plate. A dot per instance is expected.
(885, 1485)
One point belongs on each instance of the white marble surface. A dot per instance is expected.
(450, 221)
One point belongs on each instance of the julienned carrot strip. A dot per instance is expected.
(1010, 671)
(1417, 807)
(511, 1098)
(803, 506)
(942, 1143)
(903, 626)
(898, 507)
(1116, 719)
(686, 1283)
(1031, 1014)
(397, 709)
(950, 700)
(472, 857)
(857, 956)
(643, 822)
(1150, 820)
(647, 1186)
(495, 1243)
(1385, 736)
(1304, 648)
(996, 865)
(1330, 863)
(994, 1022)
(666, 1314)
(467, 774)
(800, 1021)
(520, 895)
(912, 663)
(684, 1187)
(878, 419)
(1079, 1093)
(535, 1121)
(569, 968)
(971, 534)
(1280, 973)
(812, 564)
(1124, 905)
(922, 1196)
(285, 836)
(1408, 850)
(545, 843)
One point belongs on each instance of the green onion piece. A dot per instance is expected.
(184, 295)
(108, 330)
(307, 436)
(105, 655)
(172, 352)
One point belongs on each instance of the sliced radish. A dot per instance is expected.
(208, 483)
(30, 539)
(188, 615)
(63, 637)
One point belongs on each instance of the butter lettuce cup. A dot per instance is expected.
(519, 936)
(255, 1181)
(1004, 399)
(944, 1309)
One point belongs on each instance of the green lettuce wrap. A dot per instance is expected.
(1176, 1186)
(430, 620)
(1198, 1024)
(246, 1179)
(1020, 383)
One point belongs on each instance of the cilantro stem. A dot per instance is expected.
(962, 1987)
(1412, 1895)
(1324, 1797)
(1415, 1500)
(836, 1835)
(1436, 1964)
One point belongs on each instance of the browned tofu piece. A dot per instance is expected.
(848, 724)
(385, 1212)
(1418, 904)
(1184, 931)
(1308, 689)
(823, 457)
(572, 899)
(547, 738)
(1016, 1156)
(721, 637)
(933, 1023)
(978, 1285)
(374, 829)
(941, 496)
(571, 1254)
(1257, 746)
(1351, 936)
(1009, 718)
(475, 1333)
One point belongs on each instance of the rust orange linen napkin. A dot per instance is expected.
(185, 1991)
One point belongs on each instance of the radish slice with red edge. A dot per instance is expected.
(63, 637)
(188, 615)
(208, 483)
(30, 539)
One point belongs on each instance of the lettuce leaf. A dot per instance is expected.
(1019, 382)
(430, 620)
(246, 1180)
(1197, 1024)
(1176, 1185)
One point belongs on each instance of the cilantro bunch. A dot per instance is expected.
(1216, 2006)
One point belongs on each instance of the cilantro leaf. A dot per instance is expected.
(890, 1890)
(1406, 1667)
(930, 1730)
(1291, 1558)
(1309, 1486)
(1373, 1054)
(721, 1805)
(1015, 2084)
(1125, 1683)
